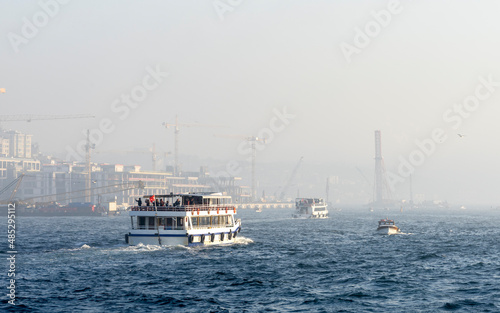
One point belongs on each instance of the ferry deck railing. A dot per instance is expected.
(185, 208)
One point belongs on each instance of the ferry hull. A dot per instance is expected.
(155, 240)
(388, 230)
(185, 239)
(306, 216)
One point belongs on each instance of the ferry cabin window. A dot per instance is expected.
(211, 201)
(205, 221)
(193, 200)
(219, 220)
(211, 221)
(171, 222)
(141, 222)
(151, 222)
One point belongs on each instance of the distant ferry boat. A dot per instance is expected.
(183, 219)
(387, 227)
(310, 208)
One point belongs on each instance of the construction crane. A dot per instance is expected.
(176, 135)
(33, 117)
(252, 140)
(328, 190)
(152, 151)
(289, 182)
(88, 167)
(17, 183)
(154, 156)
(101, 190)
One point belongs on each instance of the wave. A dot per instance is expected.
(142, 247)
(83, 247)
(152, 248)
(243, 241)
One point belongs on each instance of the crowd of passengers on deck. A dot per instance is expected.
(162, 203)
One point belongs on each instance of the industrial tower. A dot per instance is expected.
(253, 140)
(88, 168)
(379, 173)
(381, 186)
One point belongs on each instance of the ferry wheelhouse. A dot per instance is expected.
(310, 208)
(183, 219)
(387, 227)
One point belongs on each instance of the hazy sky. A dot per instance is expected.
(235, 63)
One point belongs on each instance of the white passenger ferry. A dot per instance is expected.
(387, 227)
(310, 208)
(183, 219)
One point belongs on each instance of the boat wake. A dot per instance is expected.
(83, 247)
(242, 241)
(152, 248)
(393, 234)
(142, 247)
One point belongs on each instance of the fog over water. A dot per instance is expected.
(316, 78)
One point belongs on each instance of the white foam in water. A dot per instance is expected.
(243, 241)
(143, 247)
(84, 246)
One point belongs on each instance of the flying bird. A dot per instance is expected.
(460, 135)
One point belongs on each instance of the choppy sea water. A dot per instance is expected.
(443, 261)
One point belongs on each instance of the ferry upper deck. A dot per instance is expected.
(183, 204)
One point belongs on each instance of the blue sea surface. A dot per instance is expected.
(447, 261)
